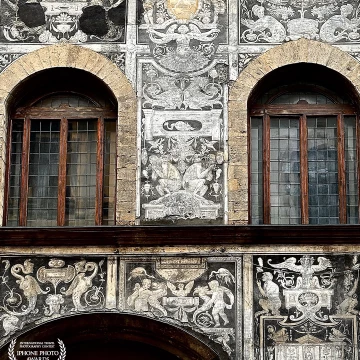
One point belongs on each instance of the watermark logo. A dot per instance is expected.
(39, 350)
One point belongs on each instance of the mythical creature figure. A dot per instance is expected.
(265, 22)
(81, 283)
(201, 93)
(163, 93)
(338, 26)
(28, 285)
(279, 336)
(148, 6)
(337, 336)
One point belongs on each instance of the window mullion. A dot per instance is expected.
(24, 184)
(8, 161)
(341, 169)
(99, 171)
(250, 171)
(358, 162)
(62, 172)
(304, 184)
(266, 169)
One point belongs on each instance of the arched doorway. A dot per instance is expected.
(112, 336)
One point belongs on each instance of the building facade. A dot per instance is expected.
(179, 179)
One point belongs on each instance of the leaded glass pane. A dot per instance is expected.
(352, 210)
(284, 171)
(323, 170)
(297, 97)
(43, 173)
(15, 173)
(109, 173)
(67, 99)
(81, 173)
(256, 171)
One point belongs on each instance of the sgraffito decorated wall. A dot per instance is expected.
(182, 72)
(181, 58)
(294, 305)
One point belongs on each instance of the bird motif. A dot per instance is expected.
(223, 275)
(139, 272)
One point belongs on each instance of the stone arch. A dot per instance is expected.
(101, 335)
(293, 52)
(72, 56)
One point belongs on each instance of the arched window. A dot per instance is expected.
(61, 160)
(304, 149)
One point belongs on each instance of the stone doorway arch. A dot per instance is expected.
(77, 57)
(123, 336)
(293, 52)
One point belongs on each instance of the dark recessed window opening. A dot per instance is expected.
(62, 163)
(304, 150)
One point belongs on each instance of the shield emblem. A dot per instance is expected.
(183, 9)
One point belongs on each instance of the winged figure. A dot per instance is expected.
(306, 262)
(307, 268)
(182, 289)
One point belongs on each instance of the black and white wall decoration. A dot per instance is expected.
(274, 21)
(51, 22)
(199, 294)
(306, 306)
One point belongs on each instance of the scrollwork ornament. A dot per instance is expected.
(117, 58)
(244, 60)
(355, 55)
(94, 297)
(7, 59)
(11, 350)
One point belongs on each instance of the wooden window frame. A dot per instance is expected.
(303, 111)
(63, 113)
